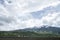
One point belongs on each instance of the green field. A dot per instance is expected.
(28, 34)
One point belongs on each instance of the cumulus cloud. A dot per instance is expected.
(52, 19)
(17, 14)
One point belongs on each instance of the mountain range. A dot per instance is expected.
(45, 31)
(43, 28)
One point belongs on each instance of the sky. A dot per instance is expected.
(20, 14)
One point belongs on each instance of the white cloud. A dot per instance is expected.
(23, 6)
(52, 19)
(20, 12)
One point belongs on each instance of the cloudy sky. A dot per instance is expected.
(20, 14)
